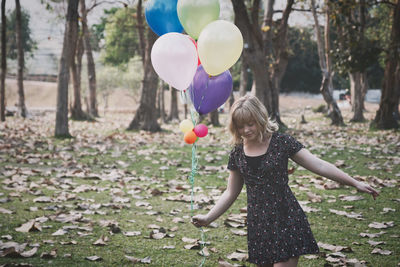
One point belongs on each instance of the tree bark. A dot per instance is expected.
(76, 109)
(145, 117)
(281, 60)
(93, 110)
(3, 61)
(397, 97)
(231, 100)
(161, 102)
(324, 62)
(61, 129)
(384, 118)
(173, 110)
(21, 64)
(214, 118)
(357, 84)
(244, 77)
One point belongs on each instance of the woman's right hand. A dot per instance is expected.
(200, 220)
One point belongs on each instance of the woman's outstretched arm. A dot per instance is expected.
(235, 185)
(312, 163)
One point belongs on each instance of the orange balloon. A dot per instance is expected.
(190, 137)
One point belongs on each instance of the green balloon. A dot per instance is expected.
(194, 15)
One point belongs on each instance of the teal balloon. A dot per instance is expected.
(162, 17)
(194, 15)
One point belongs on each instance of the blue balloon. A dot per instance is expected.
(162, 17)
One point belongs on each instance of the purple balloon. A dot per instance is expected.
(209, 92)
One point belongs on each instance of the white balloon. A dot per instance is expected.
(174, 58)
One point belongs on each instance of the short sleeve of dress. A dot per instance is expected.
(293, 146)
(232, 160)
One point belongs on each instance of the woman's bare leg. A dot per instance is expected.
(292, 262)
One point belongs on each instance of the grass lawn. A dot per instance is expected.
(125, 196)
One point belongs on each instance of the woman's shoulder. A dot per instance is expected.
(236, 148)
(285, 138)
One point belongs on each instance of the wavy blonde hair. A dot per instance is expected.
(250, 109)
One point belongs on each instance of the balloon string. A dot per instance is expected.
(194, 116)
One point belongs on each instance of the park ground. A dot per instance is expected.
(111, 197)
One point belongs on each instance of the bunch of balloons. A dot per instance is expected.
(192, 132)
(201, 67)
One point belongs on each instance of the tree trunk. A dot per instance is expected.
(3, 61)
(76, 108)
(173, 110)
(357, 82)
(145, 117)
(244, 77)
(324, 62)
(281, 61)
(214, 118)
(254, 50)
(231, 100)
(161, 101)
(61, 129)
(384, 118)
(90, 63)
(397, 97)
(21, 65)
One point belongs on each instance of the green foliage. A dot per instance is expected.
(303, 72)
(121, 37)
(97, 30)
(127, 76)
(380, 21)
(28, 44)
(355, 51)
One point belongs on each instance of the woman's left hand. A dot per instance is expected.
(367, 189)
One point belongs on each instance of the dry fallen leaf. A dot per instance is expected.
(238, 256)
(375, 243)
(351, 198)
(132, 233)
(93, 258)
(353, 215)
(314, 197)
(381, 225)
(239, 232)
(222, 263)
(49, 255)
(372, 235)
(29, 226)
(381, 251)
(334, 248)
(101, 241)
(5, 211)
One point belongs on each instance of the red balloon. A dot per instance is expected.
(190, 137)
(200, 130)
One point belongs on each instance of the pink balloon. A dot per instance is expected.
(174, 58)
(200, 130)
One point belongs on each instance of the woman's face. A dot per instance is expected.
(248, 131)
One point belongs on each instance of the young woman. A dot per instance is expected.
(278, 230)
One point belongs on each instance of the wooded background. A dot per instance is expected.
(351, 44)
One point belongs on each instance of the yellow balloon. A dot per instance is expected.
(186, 126)
(220, 45)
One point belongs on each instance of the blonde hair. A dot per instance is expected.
(250, 109)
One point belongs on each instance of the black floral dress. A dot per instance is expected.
(277, 226)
